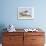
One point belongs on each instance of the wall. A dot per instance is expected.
(9, 13)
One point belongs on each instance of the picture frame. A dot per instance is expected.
(25, 12)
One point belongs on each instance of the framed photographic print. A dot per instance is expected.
(25, 13)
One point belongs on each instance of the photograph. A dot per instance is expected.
(25, 13)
